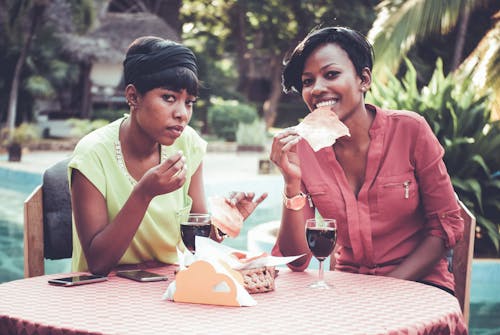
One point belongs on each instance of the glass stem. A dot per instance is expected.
(321, 271)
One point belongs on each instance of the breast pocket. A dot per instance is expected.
(327, 200)
(397, 195)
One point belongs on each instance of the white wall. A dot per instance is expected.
(106, 74)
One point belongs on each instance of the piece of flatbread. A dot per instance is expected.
(243, 258)
(321, 128)
(225, 217)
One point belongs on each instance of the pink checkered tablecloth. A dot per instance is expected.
(358, 304)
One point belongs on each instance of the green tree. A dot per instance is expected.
(400, 25)
(256, 35)
(32, 64)
(23, 19)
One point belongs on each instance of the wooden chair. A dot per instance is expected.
(47, 221)
(463, 253)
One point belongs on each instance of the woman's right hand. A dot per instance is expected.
(164, 178)
(284, 154)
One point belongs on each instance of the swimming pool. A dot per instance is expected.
(16, 186)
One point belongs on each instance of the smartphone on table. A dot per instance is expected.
(77, 280)
(141, 275)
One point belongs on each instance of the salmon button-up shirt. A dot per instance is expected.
(406, 196)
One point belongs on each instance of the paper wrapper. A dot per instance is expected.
(214, 275)
(321, 128)
(225, 217)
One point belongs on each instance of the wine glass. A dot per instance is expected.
(321, 236)
(196, 225)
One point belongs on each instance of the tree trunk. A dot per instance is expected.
(12, 107)
(86, 101)
(36, 14)
(270, 106)
(463, 24)
(238, 16)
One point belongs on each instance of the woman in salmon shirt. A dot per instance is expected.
(386, 184)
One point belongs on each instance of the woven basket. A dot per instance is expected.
(259, 280)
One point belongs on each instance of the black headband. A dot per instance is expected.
(171, 56)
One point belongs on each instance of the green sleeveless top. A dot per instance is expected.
(99, 158)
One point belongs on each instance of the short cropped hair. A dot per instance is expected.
(357, 47)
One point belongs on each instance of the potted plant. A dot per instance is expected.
(14, 140)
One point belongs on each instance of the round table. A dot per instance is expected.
(357, 304)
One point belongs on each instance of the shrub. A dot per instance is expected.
(461, 121)
(225, 115)
(252, 134)
(21, 135)
(81, 127)
(14, 139)
(108, 114)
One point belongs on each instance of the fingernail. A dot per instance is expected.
(179, 152)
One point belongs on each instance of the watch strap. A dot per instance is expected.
(296, 202)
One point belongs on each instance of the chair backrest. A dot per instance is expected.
(47, 221)
(463, 253)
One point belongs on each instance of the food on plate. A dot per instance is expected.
(321, 128)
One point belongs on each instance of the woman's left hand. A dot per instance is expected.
(245, 202)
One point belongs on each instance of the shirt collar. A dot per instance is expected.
(379, 122)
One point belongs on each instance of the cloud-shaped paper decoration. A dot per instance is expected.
(201, 284)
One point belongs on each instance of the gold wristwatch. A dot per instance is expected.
(296, 202)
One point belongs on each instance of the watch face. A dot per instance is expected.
(296, 202)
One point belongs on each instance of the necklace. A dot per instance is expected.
(121, 162)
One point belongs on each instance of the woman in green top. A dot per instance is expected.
(134, 180)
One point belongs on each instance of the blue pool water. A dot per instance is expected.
(16, 186)
(485, 298)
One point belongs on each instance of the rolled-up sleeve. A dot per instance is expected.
(438, 197)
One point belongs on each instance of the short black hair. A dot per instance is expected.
(174, 78)
(357, 47)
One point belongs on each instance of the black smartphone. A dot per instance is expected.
(77, 280)
(141, 275)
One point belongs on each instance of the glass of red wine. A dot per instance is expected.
(321, 235)
(196, 225)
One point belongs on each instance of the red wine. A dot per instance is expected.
(190, 230)
(321, 241)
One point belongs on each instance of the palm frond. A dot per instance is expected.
(483, 65)
(399, 24)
